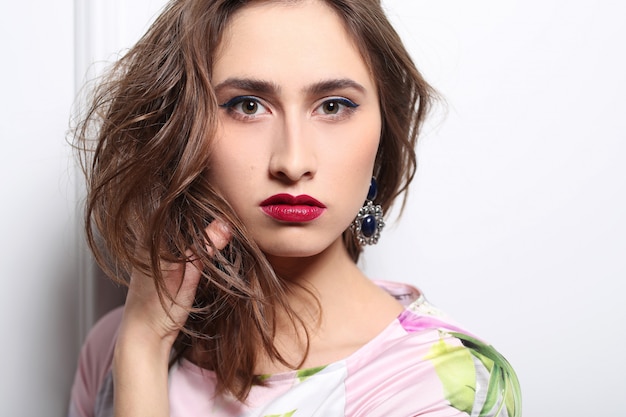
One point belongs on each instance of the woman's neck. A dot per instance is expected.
(340, 307)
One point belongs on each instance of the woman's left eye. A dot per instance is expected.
(336, 106)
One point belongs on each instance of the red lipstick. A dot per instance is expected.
(292, 209)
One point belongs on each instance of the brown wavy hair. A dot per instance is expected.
(145, 146)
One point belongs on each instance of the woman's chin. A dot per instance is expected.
(294, 250)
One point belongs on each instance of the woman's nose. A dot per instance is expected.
(293, 157)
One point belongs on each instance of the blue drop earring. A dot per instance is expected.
(369, 222)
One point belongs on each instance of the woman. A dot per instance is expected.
(236, 143)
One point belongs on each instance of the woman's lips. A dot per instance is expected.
(293, 209)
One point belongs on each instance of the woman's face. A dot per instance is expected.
(299, 125)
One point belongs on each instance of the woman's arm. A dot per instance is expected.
(148, 331)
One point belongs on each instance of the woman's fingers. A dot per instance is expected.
(180, 281)
(219, 233)
(183, 286)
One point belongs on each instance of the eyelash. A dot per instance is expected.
(347, 107)
(230, 106)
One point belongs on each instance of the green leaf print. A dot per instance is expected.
(289, 414)
(303, 374)
(263, 377)
(455, 368)
(503, 381)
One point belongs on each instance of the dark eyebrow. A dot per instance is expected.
(269, 88)
(328, 86)
(248, 84)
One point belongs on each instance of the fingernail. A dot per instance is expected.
(223, 227)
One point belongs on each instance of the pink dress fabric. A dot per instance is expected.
(421, 364)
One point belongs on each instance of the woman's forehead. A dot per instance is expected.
(268, 40)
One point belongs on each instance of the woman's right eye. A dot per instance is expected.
(245, 106)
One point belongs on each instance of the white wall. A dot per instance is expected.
(45, 307)
(515, 224)
(38, 268)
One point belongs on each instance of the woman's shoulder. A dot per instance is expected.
(426, 362)
(98, 348)
(94, 363)
(474, 376)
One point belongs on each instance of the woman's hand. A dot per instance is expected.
(148, 330)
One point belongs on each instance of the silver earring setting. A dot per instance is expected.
(369, 222)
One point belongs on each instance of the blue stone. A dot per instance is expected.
(373, 191)
(368, 226)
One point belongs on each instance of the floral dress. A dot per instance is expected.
(421, 364)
